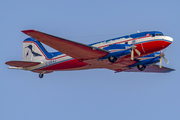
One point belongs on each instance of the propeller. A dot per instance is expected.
(160, 59)
(133, 48)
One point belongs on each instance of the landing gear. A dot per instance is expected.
(41, 75)
(141, 67)
(112, 59)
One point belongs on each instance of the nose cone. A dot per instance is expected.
(169, 39)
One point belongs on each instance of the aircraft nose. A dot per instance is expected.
(169, 39)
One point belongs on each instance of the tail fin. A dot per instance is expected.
(33, 50)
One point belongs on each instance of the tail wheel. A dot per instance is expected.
(112, 59)
(141, 67)
(41, 75)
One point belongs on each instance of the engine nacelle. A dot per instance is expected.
(117, 54)
(117, 51)
(146, 62)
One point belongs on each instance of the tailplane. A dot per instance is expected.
(33, 50)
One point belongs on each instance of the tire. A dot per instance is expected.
(141, 67)
(112, 59)
(41, 75)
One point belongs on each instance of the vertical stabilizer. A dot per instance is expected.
(33, 50)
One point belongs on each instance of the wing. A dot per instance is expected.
(22, 63)
(152, 69)
(74, 49)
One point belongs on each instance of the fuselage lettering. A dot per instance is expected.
(50, 62)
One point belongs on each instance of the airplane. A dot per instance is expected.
(137, 52)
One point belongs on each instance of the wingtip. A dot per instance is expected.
(171, 70)
(6, 63)
(28, 31)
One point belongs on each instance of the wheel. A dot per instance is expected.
(112, 59)
(41, 75)
(141, 67)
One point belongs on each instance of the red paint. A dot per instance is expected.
(66, 65)
(149, 48)
(22, 63)
(27, 31)
(154, 46)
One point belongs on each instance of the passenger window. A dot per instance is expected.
(126, 42)
(153, 35)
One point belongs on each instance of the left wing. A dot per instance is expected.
(152, 69)
(74, 49)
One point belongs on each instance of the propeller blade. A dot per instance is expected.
(133, 47)
(166, 60)
(162, 56)
(160, 62)
(132, 54)
(137, 51)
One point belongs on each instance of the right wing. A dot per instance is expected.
(76, 50)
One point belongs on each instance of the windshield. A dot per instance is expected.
(157, 34)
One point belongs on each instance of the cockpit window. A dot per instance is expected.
(157, 34)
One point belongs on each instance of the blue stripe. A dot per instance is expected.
(133, 36)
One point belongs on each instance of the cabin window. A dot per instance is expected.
(126, 42)
(153, 35)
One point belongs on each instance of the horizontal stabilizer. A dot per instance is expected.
(152, 69)
(22, 63)
(74, 49)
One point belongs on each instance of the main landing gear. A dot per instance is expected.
(141, 67)
(41, 75)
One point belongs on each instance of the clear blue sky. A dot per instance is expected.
(89, 94)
